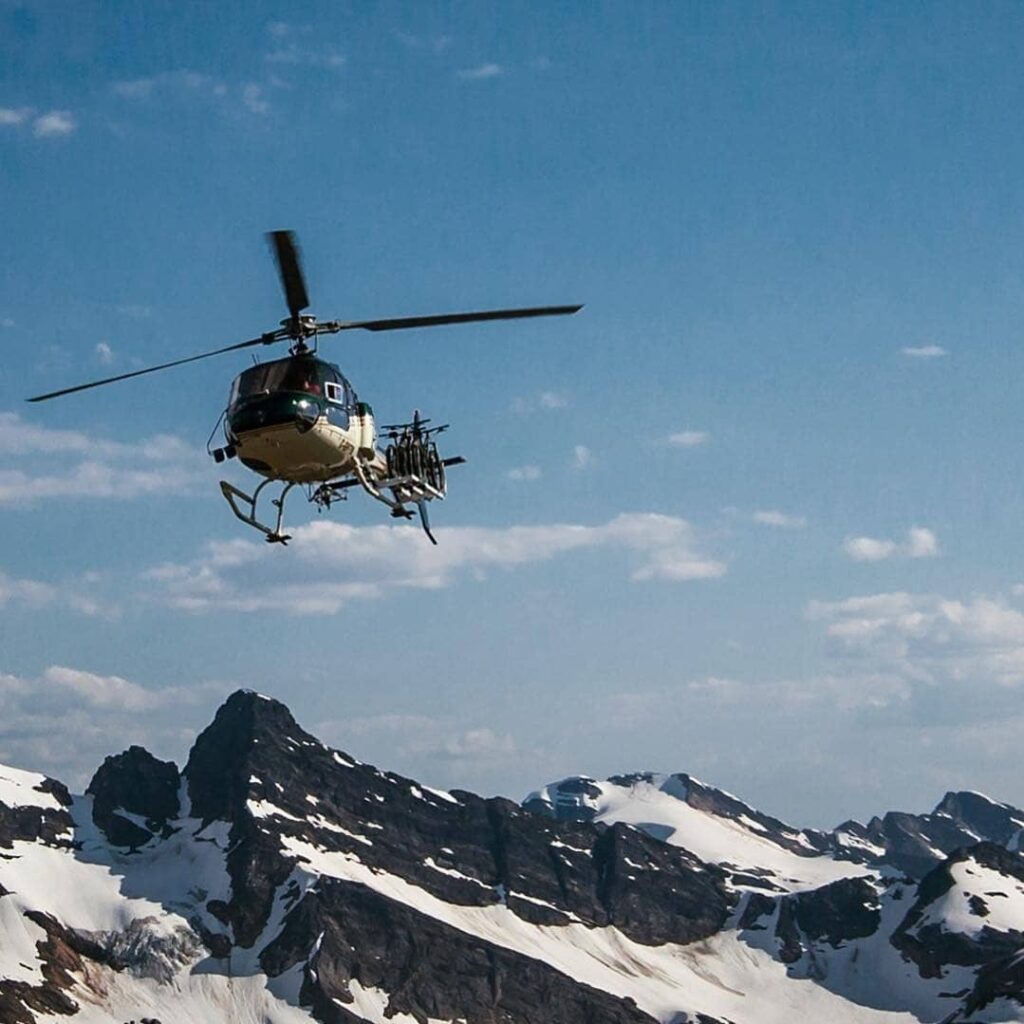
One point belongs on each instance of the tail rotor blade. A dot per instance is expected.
(286, 251)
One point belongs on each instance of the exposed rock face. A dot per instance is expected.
(296, 880)
(930, 939)
(33, 824)
(836, 914)
(429, 970)
(460, 848)
(138, 783)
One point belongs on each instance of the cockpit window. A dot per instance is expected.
(283, 375)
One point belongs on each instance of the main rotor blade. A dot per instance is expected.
(263, 340)
(401, 323)
(286, 250)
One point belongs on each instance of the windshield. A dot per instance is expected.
(282, 375)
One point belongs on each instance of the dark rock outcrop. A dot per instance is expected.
(931, 945)
(62, 953)
(428, 969)
(137, 783)
(34, 824)
(836, 913)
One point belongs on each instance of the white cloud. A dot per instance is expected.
(79, 595)
(104, 353)
(521, 473)
(546, 400)
(252, 97)
(553, 400)
(305, 56)
(920, 543)
(331, 564)
(689, 438)
(771, 517)
(186, 84)
(80, 466)
(14, 115)
(53, 123)
(102, 713)
(867, 549)
(930, 638)
(445, 750)
(582, 457)
(480, 72)
(30, 593)
(925, 352)
(182, 80)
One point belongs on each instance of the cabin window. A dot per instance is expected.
(334, 392)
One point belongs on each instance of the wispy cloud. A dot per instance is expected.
(47, 125)
(253, 98)
(553, 400)
(104, 353)
(480, 72)
(79, 595)
(14, 115)
(920, 542)
(781, 519)
(331, 564)
(925, 352)
(81, 466)
(582, 457)
(545, 400)
(104, 714)
(187, 85)
(521, 473)
(306, 56)
(929, 638)
(435, 44)
(688, 438)
(182, 80)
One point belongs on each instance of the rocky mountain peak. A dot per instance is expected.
(250, 735)
(982, 816)
(140, 784)
(345, 893)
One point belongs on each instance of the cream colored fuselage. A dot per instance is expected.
(323, 452)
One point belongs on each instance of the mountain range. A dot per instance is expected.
(274, 880)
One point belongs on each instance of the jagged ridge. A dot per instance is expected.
(278, 871)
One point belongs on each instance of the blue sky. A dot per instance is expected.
(755, 513)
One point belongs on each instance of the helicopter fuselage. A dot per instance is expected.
(298, 419)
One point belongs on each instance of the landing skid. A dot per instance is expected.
(247, 513)
(405, 490)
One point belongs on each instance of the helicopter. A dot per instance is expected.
(297, 421)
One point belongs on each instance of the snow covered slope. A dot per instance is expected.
(761, 851)
(276, 880)
(721, 829)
